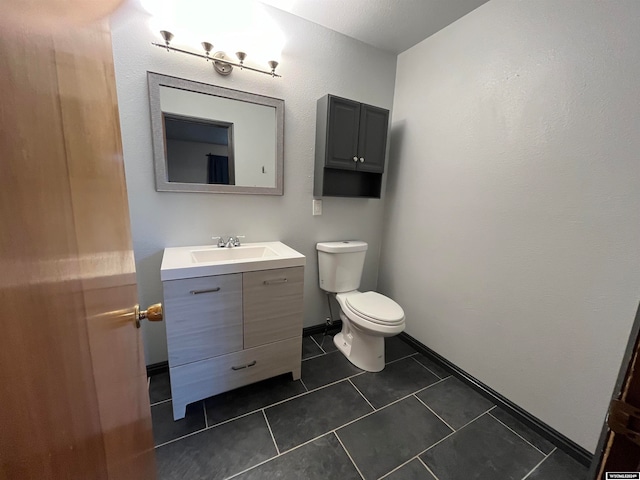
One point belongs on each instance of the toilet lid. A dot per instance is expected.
(376, 308)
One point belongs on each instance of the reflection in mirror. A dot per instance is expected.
(199, 151)
(213, 139)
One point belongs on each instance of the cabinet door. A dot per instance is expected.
(272, 305)
(342, 133)
(372, 143)
(203, 317)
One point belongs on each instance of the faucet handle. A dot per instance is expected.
(220, 241)
(236, 242)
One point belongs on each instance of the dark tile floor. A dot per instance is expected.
(410, 421)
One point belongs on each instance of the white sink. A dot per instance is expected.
(206, 260)
(235, 253)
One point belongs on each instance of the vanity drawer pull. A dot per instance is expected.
(208, 290)
(248, 365)
(275, 281)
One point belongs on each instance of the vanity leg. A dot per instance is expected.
(296, 372)
(179, 411)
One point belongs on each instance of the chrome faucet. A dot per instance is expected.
(221, 242)
(231, 242)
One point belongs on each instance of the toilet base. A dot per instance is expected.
(363, 350)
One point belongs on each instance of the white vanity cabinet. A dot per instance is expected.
(226, 331)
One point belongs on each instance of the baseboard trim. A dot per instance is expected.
(312, 330)
(563, 443)
(157, 368)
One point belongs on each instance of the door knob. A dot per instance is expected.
(361, 159)
(355, 159)
(153, 313)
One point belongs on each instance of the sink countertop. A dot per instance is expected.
(179, 263)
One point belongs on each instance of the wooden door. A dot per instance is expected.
(372, 138)
(619, 446)
(73, 399)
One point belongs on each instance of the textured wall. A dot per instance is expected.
(512, 227)
(315, 61)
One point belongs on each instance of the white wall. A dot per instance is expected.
(512, 233)
(315, 61)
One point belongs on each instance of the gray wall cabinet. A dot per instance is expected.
(351, 141)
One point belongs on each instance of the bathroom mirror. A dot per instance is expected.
(214, 139)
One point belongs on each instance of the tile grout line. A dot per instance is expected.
(428, 469)
(206, 420)
(428, 369)
(181, 438)
(538, 464)
(511, 429)
(416, 457)
(311, 358)
(252, 467)
(264, 414)
(304, 384)
(452, 433)
(279, 455)
(348, 455)
(361, 394)
(431, 410)
(160, 402)
(209, 427)
(429, 386)
(314, 341)
(397, 468)
(236, 418)
(401, 358)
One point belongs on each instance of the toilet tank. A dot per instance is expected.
(340, 265)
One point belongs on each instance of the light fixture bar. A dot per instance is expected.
(227, 62)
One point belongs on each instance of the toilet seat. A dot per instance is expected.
(375, 308)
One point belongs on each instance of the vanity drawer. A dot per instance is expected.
(198, 380)
(203, 317)
(272, 303)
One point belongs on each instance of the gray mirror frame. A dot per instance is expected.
(155, 81)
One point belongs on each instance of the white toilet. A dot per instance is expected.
(367, 317)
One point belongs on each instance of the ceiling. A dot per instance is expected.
(390, 25)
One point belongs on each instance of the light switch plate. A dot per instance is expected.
(317, 207)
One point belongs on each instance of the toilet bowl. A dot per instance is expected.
(367, 317)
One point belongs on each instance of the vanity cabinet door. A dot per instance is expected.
(272, 305)
(372, 138)
(203, 317)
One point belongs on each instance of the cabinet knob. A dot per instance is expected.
(355, 159)
(361, 159)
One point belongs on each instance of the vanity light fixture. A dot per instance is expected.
(221, 63)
